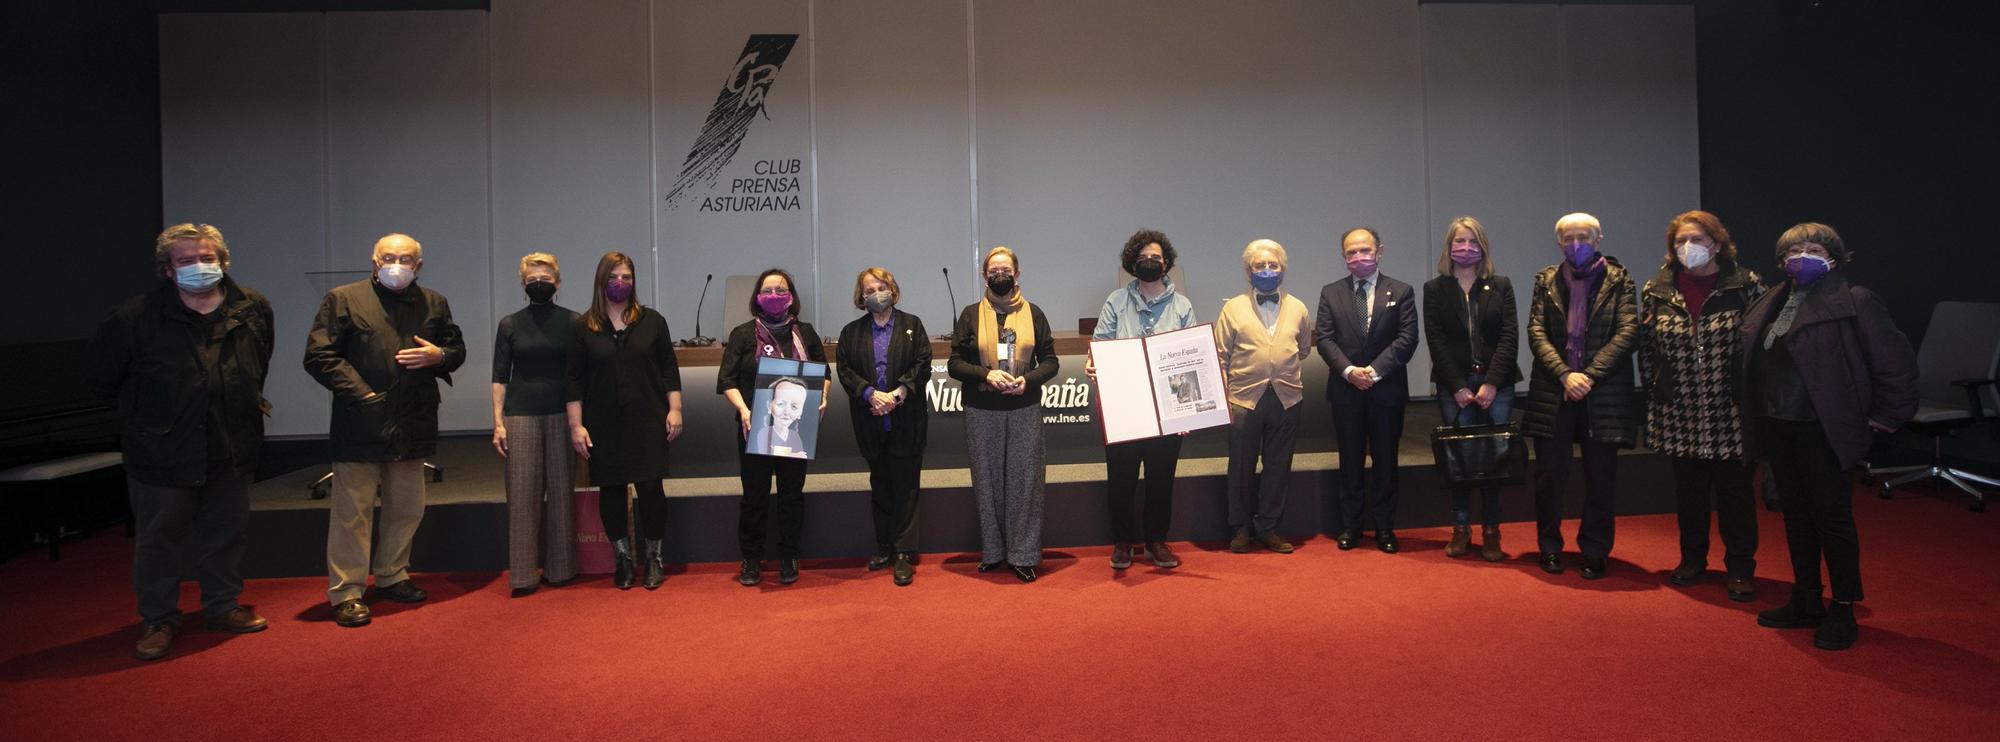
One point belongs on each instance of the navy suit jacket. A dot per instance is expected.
(1385, 344)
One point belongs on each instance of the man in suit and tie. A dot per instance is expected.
(1367, 332)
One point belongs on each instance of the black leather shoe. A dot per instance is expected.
(403, 592)
(1347, 540)
(1121, 556)
(351, 613)
(1687, 573)
(1801, 612)
(1838, 631)
(751, 574)
(1024, 574)
(1593, 568)
(1552, 563)
(878, 562)
(905, 572)
(788, 571)
(985, 567)
(1386, 541)
(522, 592)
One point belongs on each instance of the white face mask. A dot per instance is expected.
(1694, 256)
(395, 276)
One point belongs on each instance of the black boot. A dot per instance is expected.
(621, 574)
(1801, 612)
(1838, 631)
(656, 570)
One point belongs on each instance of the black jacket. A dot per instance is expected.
(970, 370)
(1386, 344)
(1612, 408)
(739, 356)
(909, 368)
(1452, 348)
(351, 351)
(147, 361)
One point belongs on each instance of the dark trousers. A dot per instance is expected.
(753, 517)
(1818, 500)
(1735, 511)
(1600, 496)
(1268, 432)
(1371, 430)
(892, 495)
(203, 526)
(1160, 456)
(649, 498)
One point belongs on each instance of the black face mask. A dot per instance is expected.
(1149, 270)
(540, 292)
(1000, 285)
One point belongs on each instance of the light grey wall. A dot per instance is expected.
(931, 131)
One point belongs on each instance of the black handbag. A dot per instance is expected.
(1478, 455)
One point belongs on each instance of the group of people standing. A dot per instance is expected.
(1730, 372)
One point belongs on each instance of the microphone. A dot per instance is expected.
(950, 293)
(699, 340)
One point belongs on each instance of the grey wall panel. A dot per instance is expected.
(1493, 92)
(1217, 124)
(243, 149)
(407, 152)
(893, 143)
(1635, 157)
(697, 46)
(571, 112)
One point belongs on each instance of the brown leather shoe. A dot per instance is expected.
(1687, 574)
(1489, 545)
(1240, 543)
(240, 620)
(155, 639)
(1162, 556)
(1275, 543)
(1461, 538)
(1742, 589)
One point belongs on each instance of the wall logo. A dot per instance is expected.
(739, 104)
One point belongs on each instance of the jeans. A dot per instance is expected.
(1497, 413)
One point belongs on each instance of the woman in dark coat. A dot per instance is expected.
(1469, 318)
(1583, 325)
(884, 359)
(624, 399)
(1827, 368)
(774, 330)
(1689, 350)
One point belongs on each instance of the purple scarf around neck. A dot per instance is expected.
(1580, 283)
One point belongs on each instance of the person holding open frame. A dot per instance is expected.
(1147, 305)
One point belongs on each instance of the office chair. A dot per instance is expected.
(1955, 386)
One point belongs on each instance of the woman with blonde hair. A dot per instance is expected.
(1003, 352)
(531, 430)
(1474, 339)
(884, 361)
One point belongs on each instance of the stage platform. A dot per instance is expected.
(465, 522)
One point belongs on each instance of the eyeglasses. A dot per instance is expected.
(998, 272)
(404, 260)
(774, 291)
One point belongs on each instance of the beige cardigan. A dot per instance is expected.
(1253, 357)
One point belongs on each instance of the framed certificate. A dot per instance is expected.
(1159, 384)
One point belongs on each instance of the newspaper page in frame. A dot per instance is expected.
(1187, 379)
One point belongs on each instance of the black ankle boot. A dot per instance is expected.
(656, 569)
(621, 573)
(1801, 612)
(1839, 630)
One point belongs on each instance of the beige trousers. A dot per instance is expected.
(349, 522)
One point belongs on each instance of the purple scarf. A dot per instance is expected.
(1580, 283)
(767, 338)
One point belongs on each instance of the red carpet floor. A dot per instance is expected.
(1320, 643)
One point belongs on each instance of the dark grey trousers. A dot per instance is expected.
(202, 526)
(1007, 476)
(1269, 432)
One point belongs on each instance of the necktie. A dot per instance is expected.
(1361, 303)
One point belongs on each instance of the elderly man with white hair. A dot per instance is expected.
(1583, 325)
(380, 345)
(1265, 334)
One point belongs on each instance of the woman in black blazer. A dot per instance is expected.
(884, 361)
(1474, 338)
(774, 329)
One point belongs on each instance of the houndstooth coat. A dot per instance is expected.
(1689, 367)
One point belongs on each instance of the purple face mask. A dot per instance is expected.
(1466, 256)
(1805, 269)
(774, 305)
(1580, 253)
(618, 292)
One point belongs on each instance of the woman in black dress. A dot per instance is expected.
(774, 329)
(624, 384)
